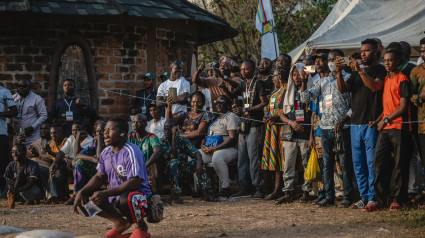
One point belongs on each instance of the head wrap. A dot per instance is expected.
(289, 100)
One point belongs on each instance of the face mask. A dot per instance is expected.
(332, 66)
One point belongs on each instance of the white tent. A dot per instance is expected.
(352, 21)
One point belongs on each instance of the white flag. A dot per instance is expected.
(266, 25)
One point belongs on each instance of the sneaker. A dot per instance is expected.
(317, 200)
(241, 194)
(258, 195)
(285, 199)
(359, 204)
(345, 203)
(325, 203)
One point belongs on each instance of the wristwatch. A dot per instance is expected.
(225, 77)
(386, 120)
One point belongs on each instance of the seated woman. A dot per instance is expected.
(193, 124)
(22, 178)
(225, 125)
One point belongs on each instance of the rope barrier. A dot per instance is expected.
(250, 119)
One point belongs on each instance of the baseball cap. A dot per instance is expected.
(149, 76)
(165, 75)
(323, 56)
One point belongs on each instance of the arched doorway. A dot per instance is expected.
(73, 66)
(72, 59)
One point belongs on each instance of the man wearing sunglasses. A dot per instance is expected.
(31, 113)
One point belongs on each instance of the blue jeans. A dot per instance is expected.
(328, 138)
(363, 141)
(248, 159)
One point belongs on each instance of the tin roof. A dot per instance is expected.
(210, 27)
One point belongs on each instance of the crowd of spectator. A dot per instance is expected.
(364, 116)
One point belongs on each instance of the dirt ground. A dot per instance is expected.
(242, 218)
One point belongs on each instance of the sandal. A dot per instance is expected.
(113, 233)
(370, 208)
(137, 233)
(272, 196)
(285, 199)
(209, 198)
(305, 197)
(317, 200)
(395, 206)
(358, 205)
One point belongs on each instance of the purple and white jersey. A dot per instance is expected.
(128, 162)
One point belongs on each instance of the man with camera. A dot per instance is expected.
(223, 83)
(254, 100)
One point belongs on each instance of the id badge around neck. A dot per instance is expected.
(69, 116)
(299, 115)
(17, 119)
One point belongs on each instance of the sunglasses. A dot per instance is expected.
(22, 86)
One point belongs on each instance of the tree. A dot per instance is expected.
(295, 21)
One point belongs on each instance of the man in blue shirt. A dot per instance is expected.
(146, 96)
(7, 110)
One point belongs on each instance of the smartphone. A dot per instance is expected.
(310, 69)
(173, 93)
(346, 60)
(22, 131)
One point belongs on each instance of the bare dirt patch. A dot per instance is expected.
(243, 218)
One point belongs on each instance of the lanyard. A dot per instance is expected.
(248, 90)
(21, 104)
(209, 128)
(144, 98)
(69, 104)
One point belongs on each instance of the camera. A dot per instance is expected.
(214, 64)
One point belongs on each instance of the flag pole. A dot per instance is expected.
(274, 38)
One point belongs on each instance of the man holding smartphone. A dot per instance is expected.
(179, 84)
(366, 85)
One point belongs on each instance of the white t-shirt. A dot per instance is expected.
(208, 102)
(182, 86)
(68, 148)
(6, 101)
(156, 128)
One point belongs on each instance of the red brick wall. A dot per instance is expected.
(119, 56)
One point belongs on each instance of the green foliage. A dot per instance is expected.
(295, 21)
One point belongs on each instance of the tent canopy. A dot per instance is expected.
(352, 21)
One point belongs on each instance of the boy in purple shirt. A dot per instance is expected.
(121, 164)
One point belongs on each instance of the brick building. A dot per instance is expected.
(102, 44)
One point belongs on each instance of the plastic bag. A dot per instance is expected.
(312, 172)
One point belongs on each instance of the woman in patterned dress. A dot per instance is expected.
(193, 124)
(272, 159)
